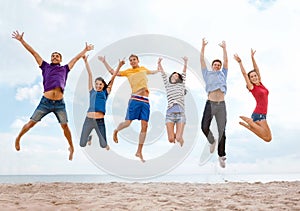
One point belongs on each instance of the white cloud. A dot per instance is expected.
(33, 93)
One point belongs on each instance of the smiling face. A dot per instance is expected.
(134, 61)
(216, 65)
(253, 77)
(99, 85)
(56, 58)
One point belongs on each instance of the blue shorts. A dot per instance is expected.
(138, 108)
(47, 106)
(176, 117)
(258, 117)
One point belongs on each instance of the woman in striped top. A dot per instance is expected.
(175, 115)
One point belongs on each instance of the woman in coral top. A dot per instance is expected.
(258, 122)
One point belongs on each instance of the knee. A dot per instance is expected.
(144, 127)
(64, 126)
(268, 139)
(204, 129)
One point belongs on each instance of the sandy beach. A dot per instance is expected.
(151, 196)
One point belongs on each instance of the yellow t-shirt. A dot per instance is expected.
(137, 77)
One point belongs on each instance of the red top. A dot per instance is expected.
(260, 93)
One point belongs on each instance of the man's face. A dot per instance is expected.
(134, 62)
(55, 58)
(216, 66)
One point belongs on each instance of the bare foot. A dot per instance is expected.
(115, 136)
(140, 156)
(107, 147)
(17, 144)
(90, 140)
(71, 149)
(181, 142)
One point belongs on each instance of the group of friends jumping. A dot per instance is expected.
(215, 77)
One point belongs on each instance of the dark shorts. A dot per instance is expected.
(138, 108)
(47, 106)
(258, 117)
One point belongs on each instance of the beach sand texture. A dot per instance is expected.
(151, 196)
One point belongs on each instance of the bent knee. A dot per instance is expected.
(268, 139)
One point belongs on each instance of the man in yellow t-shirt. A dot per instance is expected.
(138, 106)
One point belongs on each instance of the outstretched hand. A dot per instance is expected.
(252, 52)
(222, 44)
(89, 47)
(101, 58)
(16, 35)
(121, 62)
(185, 59)
(204, 42)
(237, 58)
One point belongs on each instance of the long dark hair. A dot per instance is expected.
(180, 79)
(103, 81)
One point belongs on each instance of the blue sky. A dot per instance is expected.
(270, 27)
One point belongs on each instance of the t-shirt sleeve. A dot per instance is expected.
(123, 72)
(43, 65)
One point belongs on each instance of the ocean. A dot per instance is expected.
(203, 178)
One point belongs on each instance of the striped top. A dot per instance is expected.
(175, 92)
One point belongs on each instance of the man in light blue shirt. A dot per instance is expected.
(215, 106)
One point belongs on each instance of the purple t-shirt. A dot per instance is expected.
(54, 76)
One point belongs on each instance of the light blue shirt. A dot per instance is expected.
(215, 80)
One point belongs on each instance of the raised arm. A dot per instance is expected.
(159, 66)
(78, 56)
(245, 75)
(115, 73)
(202, 60)
(254, 64)
(225, 58)
(107, 66)
(90, 75)
(16, 35)
(185, 59)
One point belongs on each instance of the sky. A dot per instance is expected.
(270, 27)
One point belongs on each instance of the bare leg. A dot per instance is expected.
(142, 137)
(24, 130)
(260, 128)
(170, 131)
(68, 135)
(179, 132)
(121, 126)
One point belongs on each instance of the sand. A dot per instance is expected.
(151, 196)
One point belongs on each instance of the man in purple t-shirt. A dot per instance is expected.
(54, 81)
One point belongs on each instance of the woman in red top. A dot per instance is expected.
(258, 122)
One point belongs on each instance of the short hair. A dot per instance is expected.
(58, 54)
(133, 55)
(216, 60)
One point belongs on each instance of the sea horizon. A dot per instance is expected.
(177, 178)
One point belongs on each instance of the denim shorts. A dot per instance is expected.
(258, 117)
(175, 117)
(47, 106)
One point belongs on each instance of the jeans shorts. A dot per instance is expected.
(175, 117)
(47, 106)
(258, 117)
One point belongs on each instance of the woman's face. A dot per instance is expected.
(174, 78)
(254, 78)
(99, 85)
